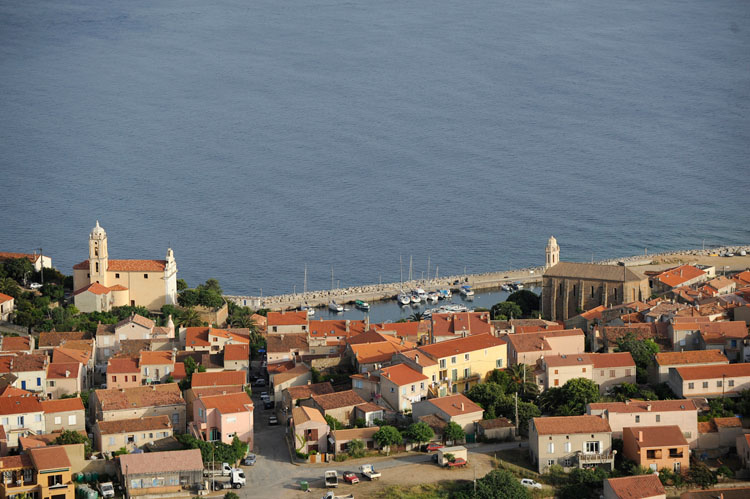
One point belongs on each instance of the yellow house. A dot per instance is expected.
(101, 283)
(465, 362)
(43, 473)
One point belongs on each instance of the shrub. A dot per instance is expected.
(302, 455)
(724, 470)
(340, 458)
(231, 495)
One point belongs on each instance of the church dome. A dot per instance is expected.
(98, 231)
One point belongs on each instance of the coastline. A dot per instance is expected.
(484, 281)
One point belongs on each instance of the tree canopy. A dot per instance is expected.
(454, 432)
(68, 437)
(387, 436)
(497, 484)
(506, 310)
(642, 351)
(420, 432)
(527, 300)
(571, 398)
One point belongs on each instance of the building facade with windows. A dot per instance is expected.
(657, 447)
(571, 441)
(401, 386)
(21, 416)
(41, 473)
(144, 401)
(130, 434)
(223, 417)
(64, 414)
(709, 381)
(155, 473)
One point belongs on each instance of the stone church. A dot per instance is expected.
(571, 288)
(101, 283)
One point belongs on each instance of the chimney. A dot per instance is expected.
(347, 325)
(153, 388)
(282, 337)
(67, 373)
(416, 358)
(309, 382)
(462, 407)
(640, 436)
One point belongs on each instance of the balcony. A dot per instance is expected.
(675, 453)
(18, 482)
(593, 459)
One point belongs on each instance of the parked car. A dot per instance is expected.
(528, 482)
(433, 447)
(267, 404)
(249, 460)
(260, 382)
(106, 489)
(264, 395)
(272, 420)
(35, 285)
(350, 477)
(457, 463)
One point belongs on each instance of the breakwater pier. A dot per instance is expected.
(531, 276)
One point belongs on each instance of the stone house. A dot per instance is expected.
(728, 337)
(299, 375)
(709, 381)
(635, 413)
(291, 395)
(7, 306)
(237, 357)
(64, 414)
(287, 322)
(742, 443)
(155, 473)
(454, 325)
(571, 441)
(64, 378)
(528, 348)
(496, 429)
(719, 433)
(131, 434)
(219, 383)
(339, 405)
(30, 370)
(401, 386)
(453, 408)
(284, 347)
(310, 430)
(664, 361)
(338, 440)
(366, 385)
(156, 367)
(657, 447)
(369, 412)
(683, 275)
(116, 404)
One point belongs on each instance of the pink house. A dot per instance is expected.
(221, 417)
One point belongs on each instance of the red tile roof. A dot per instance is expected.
(307, 391)
(157, 358)
(12, 391)
(4, 298)
(456, 405)
(367, 353)
(285, 343)
(632, 406)
(338, 399)
(401, 375)
(690, 357)
(19, 405)
(62, 405)
(128, 265)
(94, 287)
(462, 322)
(607, 360)
(63, 370)
(237, 352)
(8, 255)
(137, 319)
(64, 354)
(122, 365)
(161, 462)
(222, 378)
(714, 372)
(196, 337)
(636, 487)
(532, 342)
(304, 414)
(655, 436)
(293, 318)
(23, 363)
(561, 425)
(461, 345)
(594, 313)
(678, 275)
(135, 424)
(57, 338)
(15, 343)
(321, 328)
(228, 404)
(730, 422)
(718, 331)
(141, 396)
(15, 462)
(49, 458)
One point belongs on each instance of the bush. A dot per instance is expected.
(231, 495)
(340, 458)
(724, 470)
(302, 455)
(356, 448)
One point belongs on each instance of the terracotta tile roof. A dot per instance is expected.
(707, 427)
(408, 329)
(85, 345)
(211, 391)
(636, 487)
(435, 422)
(678, 275)
(367, 353)
(532, 342)
(118, 287)
(115, 399)
(23, 363)
(19, 405)
(222, 378)
(229, 335)
(724, 329)
(228, 404)
(535, 329)
(161, 462)
(422, 360)
(337, 400)
(62, 405)
(733, 493)
(714, 372)
(133, 348)
(15, 462)
(489, 424)
(136, 319)
(689, 323)
(4, 298)
(323, 328)
(122, 365)
(94, 287)
(607, 360)
(105, 329)
(451, 405)
(690, 357)
(135, 424)
(63, 370)
(12, 391)
(49, 458)
(582, 359)
(179, 372)
(293, 373)
(280, 367)
(15, 343)
(631, 406)
(594, 271)
(64, 354)
(158, 358)
(237, 352)
(369, 336)
(462, 322)
(196, 337)
(304, 414)
(461, 345)
(743, 278)
(307, 391)
(369, 407)
(128, 265)
(292, 318)
(9, 255)
(283, 343)
(594, 313)
(401, 375)
(655, 436)
(730, 422)
(721, 282)
(561, 425)
(360, 433)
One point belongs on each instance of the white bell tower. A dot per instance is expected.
(552, 252)
(98, 257)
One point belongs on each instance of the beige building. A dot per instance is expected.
(664, 361)
(156, 367)
(657, 447)
(571, 441)
(130, 434)
(635, 413)
(339, 405)
(570, 288)
(287, 322)
(634, 487)
(742, 443)
(30, 371)
(20, 416)
(528, 348)
(64, 378)
(7, 305)
(339, 439)
(401, 386)
(140, 402)
(454, 408)
(310, 430)
(709, 381)
(147, 283)
(64, 414)
(605, 369)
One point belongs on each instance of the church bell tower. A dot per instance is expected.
(98, 257)
(552, 252)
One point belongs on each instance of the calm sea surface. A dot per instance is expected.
(259, 136)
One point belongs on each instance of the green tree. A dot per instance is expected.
(486, 394)
(181, 284)
(386, 437)
(527, 300)
(500, 377)
(334, 423)
(68, 437)
(522, 380)
(239, 447)
(231, 495)
(18, 268)
(188, 298)
(190, 318)
(10, 287)
(416, 317)
(453, 432)
(506, 310)
(420, 432)
(642, 351)
(356, 448)
(497, 484)
(701, 475)
(569, 399)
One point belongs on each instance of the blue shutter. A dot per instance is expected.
(23, 385)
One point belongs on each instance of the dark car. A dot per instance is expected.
(268, 405)
(272, 420)
(249, 460)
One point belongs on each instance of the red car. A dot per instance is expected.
(433, 447)
(457, 463)
(350, 477)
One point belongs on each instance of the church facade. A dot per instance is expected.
(570, 288)
(101, 283)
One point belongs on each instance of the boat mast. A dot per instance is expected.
(401, 267)
(305, 288)
(428, 267)
(331, 277)
(411, 260)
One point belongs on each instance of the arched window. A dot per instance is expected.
(97, 267)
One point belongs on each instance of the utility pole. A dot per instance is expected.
(41, 264)
(516, 412)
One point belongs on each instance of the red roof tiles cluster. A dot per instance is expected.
(461, 345)
(222, 378)
(128, 265)
(561, 425)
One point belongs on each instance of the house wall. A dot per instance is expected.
(303, 444)
(32, 421)
(33, 381)
(610, 377)
(58, 387)
(556, 377)
(6, 308)
(400, 398)
(157, 372)
(113, 442)
(686, 420)
(70, 420)
(468, 369)
(564, 298)
(120, 380)
(367, 389)
(710, 388)
(176, 414)
(568, 345)
(610, 494)
(300, 380)
(743, 451)
(660, 373)
(562, 454)
(89, 302)
(662, 459)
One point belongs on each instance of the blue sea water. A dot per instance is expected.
(257, 137)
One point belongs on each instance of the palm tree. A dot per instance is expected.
(522, 380)
(9, 287)
(416, 317)
(243, 321)
(190, 317)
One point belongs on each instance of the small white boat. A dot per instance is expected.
(403, 298)
(310, 311)
(433, 296)
(421, 293)
(519, 285)
(445, 294)
(362, 305)
(415, 297)
(506, 288)
(335, 306)
(467, 291)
